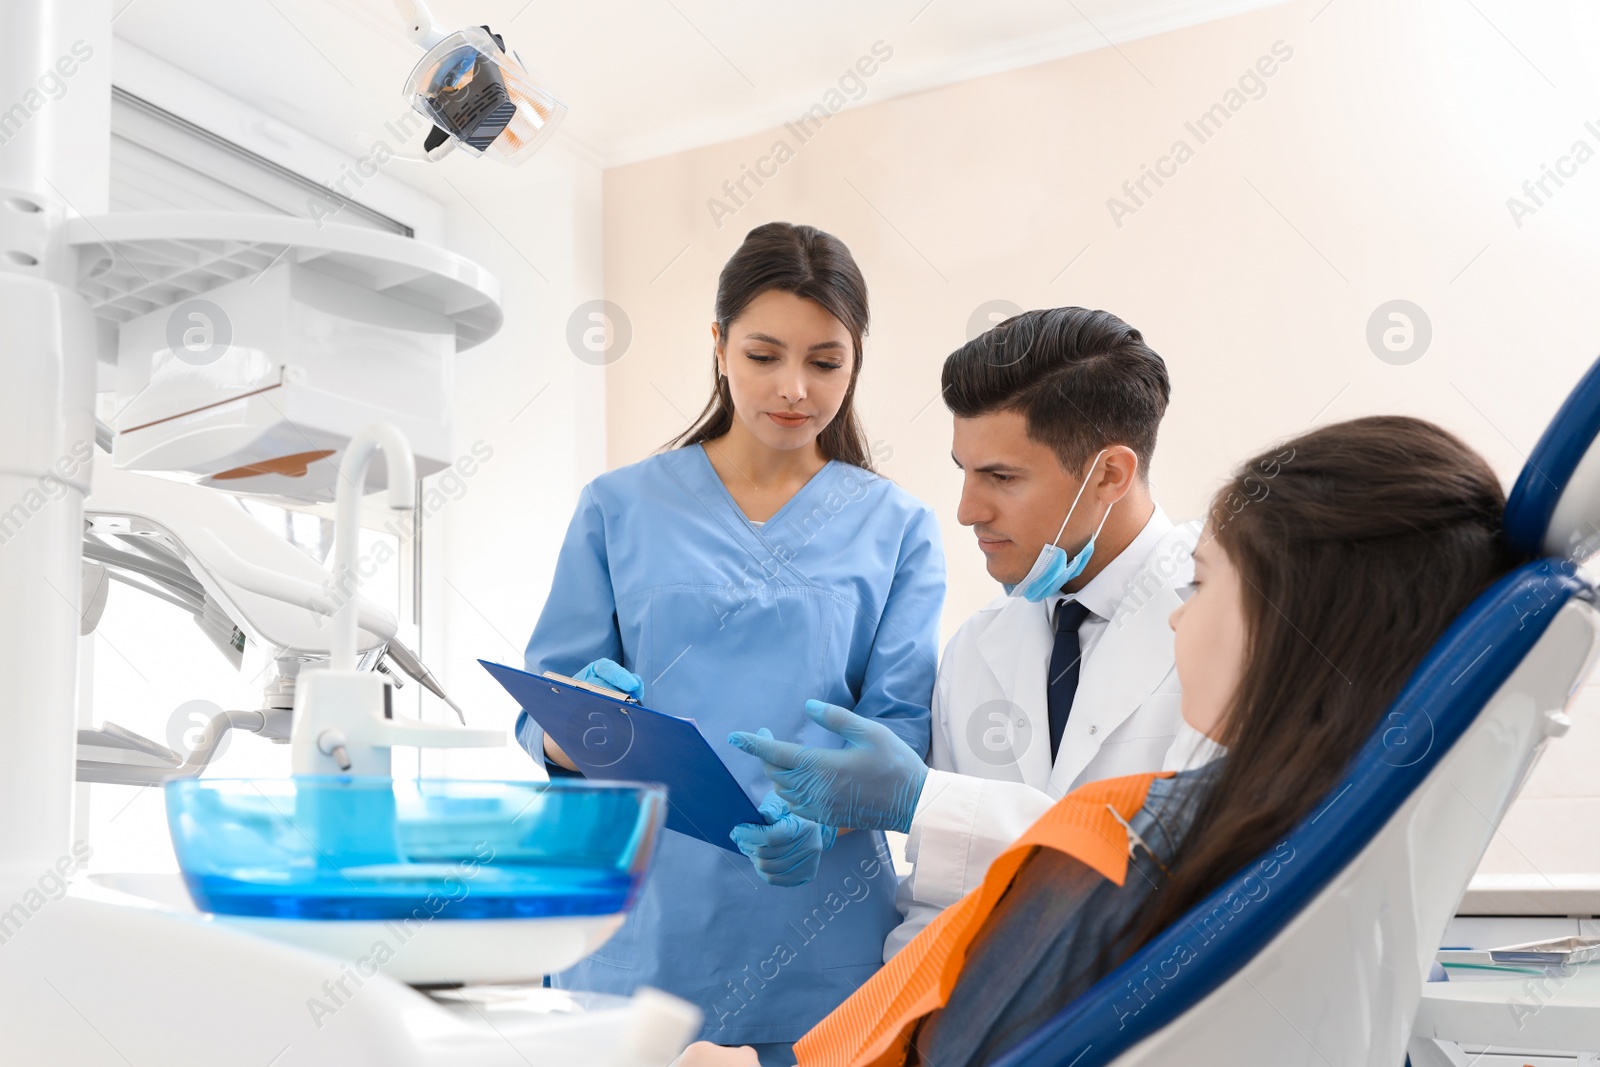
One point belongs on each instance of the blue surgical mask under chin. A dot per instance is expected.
(1053, 569)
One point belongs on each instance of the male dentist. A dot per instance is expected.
(1066, 679)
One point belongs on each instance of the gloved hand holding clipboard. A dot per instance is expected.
(619, 740)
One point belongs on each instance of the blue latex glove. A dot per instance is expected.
(603, 672)
(612, 675)
(787, 850)
(872, 783)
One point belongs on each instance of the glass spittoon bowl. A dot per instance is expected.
(330, 861)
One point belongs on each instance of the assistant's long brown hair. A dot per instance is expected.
(1357, 545)
(809, 263)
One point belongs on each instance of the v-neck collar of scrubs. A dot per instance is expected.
(772, 520)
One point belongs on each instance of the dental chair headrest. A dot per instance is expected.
(1554, 509)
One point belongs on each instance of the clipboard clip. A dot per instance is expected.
(614, 694)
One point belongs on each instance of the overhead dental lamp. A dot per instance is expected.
(476, 92)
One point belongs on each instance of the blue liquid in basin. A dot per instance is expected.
(332, 847)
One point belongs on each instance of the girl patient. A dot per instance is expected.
(1328, 568)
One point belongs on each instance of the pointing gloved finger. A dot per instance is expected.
(842, 721)
(782, 754)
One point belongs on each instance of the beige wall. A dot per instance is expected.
(1374, 164)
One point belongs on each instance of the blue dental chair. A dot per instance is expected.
(1317, 953)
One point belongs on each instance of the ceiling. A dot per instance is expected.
(643, 78)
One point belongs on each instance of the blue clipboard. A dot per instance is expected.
(621, 740)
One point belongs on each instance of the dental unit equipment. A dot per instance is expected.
(342, 913)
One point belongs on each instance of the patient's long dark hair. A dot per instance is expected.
(1357, 545)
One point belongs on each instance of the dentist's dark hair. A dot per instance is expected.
(1082, 379)
(1357, 545)
(809, 263)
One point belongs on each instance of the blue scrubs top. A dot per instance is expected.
(836, 597)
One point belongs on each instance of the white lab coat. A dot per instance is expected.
(991, 775)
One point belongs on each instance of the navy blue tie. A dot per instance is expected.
(1065, 659)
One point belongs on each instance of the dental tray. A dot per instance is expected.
(1555, 952)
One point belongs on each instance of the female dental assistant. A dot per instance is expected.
(755, 565)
